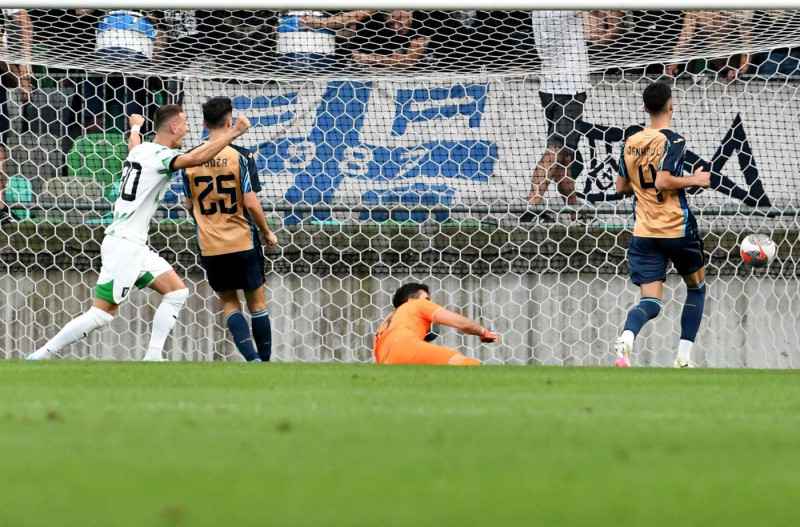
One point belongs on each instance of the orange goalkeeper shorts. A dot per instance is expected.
(412, 350)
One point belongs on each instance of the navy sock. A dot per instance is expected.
(647, 308)
(262, 333)
(692, 313)
(241, 335)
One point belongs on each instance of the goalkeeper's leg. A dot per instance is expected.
(415, 351)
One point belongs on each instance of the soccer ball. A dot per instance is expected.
(758, 249)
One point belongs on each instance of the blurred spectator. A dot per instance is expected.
(397, 39)
(561, 44)
(179, 43)
(125, 41)
(17, 39)
(503, 40)
(302, 44)
(714, 33)
(785, 61)
(211, 41)
(248, 39)
(779, 24)
(646, 35)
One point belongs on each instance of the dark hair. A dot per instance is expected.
(656, 96)
(216, 111)
(165, 115)
(407, 291)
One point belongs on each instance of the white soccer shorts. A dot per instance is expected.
(125, 265)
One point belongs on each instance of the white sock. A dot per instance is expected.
(685, 350)
(75, 330)
(164, 321)
(627, 336)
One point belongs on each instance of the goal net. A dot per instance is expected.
(397, 146)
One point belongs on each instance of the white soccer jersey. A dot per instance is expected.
(561, 44)
(145, 177)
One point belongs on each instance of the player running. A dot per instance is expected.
(221, 195)
(401, 339)
(651, 168)
(127, 261)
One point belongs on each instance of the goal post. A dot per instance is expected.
(398, 146)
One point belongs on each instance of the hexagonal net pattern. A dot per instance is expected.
(474, 151)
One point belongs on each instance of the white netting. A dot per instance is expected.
(402, 146)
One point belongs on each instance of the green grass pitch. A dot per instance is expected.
(196, 444)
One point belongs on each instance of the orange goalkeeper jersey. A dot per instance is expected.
(412, 319)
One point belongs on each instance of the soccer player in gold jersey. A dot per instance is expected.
(221, 195)
(651, 168)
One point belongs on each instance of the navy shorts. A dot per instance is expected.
(233, 271)
(648, 257)
(564, 114)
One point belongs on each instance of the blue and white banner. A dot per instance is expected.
(478, 140)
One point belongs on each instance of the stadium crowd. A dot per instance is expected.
(106, 42)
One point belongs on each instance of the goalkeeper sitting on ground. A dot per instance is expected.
(401, 339)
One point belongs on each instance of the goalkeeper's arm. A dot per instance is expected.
(467, 325)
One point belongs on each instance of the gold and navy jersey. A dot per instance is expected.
(663, 214)
(217, 191)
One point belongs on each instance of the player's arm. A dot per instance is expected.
(467, 325)
(187, 192)
(209, 149)
(624, 185)
(665, 180)
(255, 211)
(136, 122)
(672, 164)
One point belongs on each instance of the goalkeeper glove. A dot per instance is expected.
(489, 335)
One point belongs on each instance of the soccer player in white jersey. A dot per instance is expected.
(127, 261)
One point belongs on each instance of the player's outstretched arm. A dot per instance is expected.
(209, 149)
(467, 325)
(136, 122)
(666, 181)
(255, 211)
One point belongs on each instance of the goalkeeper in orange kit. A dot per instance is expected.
(402, 337)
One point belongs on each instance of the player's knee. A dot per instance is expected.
(99, 317)
(256, 300)
(697, 288)
(177, 297)
(650, 306)
(256, 306)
